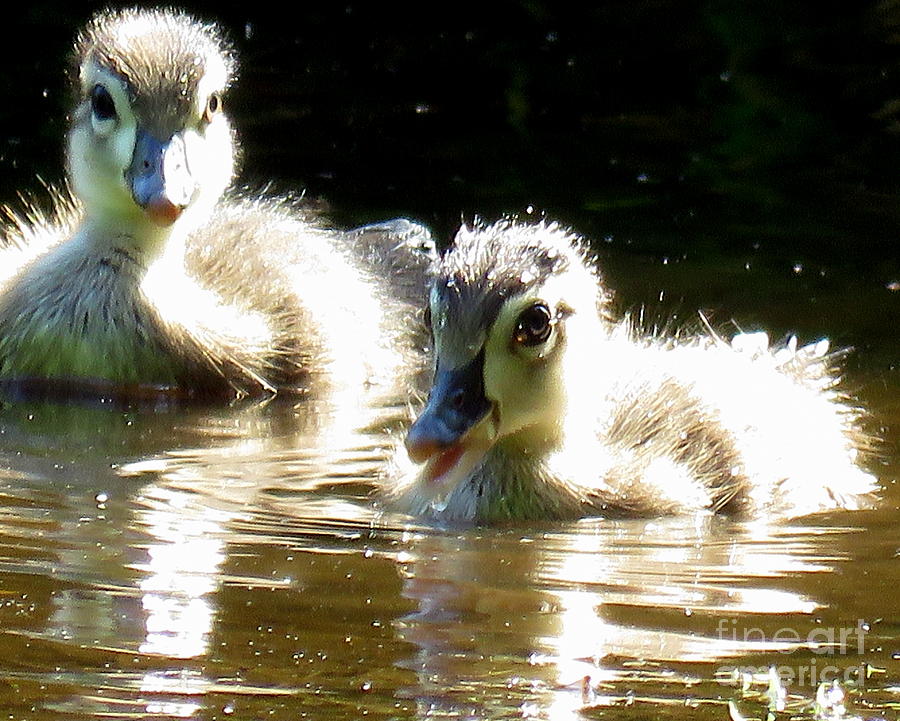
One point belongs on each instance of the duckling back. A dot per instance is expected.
(740, 427)
(335, 317)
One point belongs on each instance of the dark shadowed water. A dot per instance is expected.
(228, 563)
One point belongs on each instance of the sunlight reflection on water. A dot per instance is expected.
(601, 594)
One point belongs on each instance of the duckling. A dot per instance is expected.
(153, 276)
(544, 406)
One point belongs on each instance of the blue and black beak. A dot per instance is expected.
(456, 404)
(160, 179)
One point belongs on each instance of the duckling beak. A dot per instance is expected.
(160, 180)
(457, 426)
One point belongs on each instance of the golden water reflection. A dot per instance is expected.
(180, 575)
(590, 615)
(244, 573)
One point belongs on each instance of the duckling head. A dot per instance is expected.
(511, 305)
(149, 145)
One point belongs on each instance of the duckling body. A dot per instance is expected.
(545, 407)
(149, 278)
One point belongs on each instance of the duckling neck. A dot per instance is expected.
(513, 482)
(143, 242)
(535, 441)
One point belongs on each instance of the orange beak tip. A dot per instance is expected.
(163, 212)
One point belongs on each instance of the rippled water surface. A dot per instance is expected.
(229, 562)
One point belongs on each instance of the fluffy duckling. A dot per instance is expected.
(148, 278)
(544, 407)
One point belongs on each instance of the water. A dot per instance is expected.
(229, 563)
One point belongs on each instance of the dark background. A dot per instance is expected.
(667, 127)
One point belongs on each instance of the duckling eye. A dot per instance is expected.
(102, 105)
(213, 106)
(533, 325)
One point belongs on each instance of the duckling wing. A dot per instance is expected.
(400, 251)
